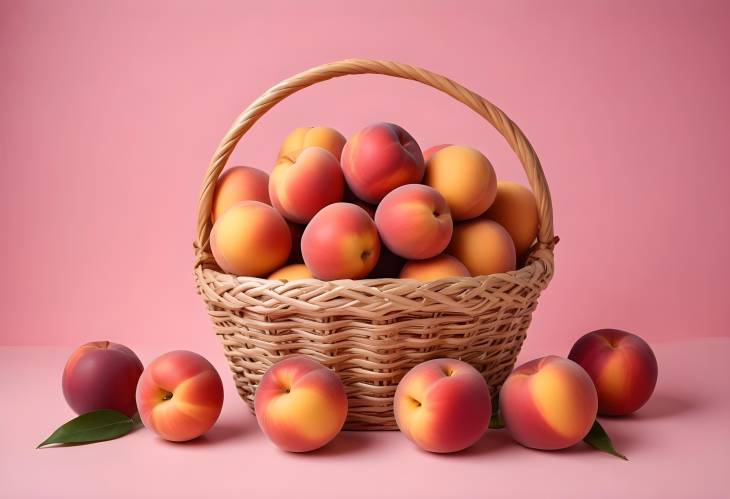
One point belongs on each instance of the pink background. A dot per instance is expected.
(111, 111)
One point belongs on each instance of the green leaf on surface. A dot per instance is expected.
(598, 439)
(496, 422)
(93, 426)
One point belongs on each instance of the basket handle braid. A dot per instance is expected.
(511, 132)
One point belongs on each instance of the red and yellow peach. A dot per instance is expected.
(101, 375)
(483, 246)
(240, 183)
(443, 405)
(341, 242)
(548, 403)
(180, 396)
(300, 404)
(250, 239)
(318, 136)
(379, 158)
(515, 209)
(465, 178)
(438, 267)
(303, 183)
(414, 222)
(622, 366)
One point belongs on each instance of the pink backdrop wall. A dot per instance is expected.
(111, 110)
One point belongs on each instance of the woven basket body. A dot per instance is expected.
(372, 331)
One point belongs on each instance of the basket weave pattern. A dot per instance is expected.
(372, 331)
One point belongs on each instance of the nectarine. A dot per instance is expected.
(250, 238)
(548, 403)
(300, 404)
(414, 222)
(379, 158)
(101, 375)
(341, 242)
(483, 246)
(443, 405)
(240, 183)
(180, 395)
(622, 366)
(465, 178)
(304, 183)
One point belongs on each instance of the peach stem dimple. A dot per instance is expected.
(167, 396)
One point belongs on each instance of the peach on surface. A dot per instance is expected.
(101, 375)
(438, 267)
(483, 246)
(379, 158)
(240, 183)
(303, 183)
(300, 404)
(319, 136)
(515, 209)
(622, 366)
(341, 242)
(414, 222)
(251, 239)
(465, 178)
(443, 405)
(292, 272)
(548, 403)
(180, 395)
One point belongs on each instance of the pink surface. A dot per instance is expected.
(111, 111)
(677, 446)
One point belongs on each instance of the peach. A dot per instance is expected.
(180, 395)
(548, 403)
(101, 375)
(379, 158)
(240, 183)
(438, 267)
(465, 178)
(414, 222)
(319, 136)
(292, 272)
(433, 150)
(341, 242)
(622, 366)
(515, 209)
(300, 404)
(303, 184)
(443, 405)
(251, 239)
(483, 246)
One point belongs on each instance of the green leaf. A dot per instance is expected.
(496, 422)
(598, 439)
(93, 426)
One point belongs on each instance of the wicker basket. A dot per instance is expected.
(372, 331)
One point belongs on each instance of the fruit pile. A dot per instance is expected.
(373, 206)
(442, 405)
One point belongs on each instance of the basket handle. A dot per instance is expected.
(511, 132)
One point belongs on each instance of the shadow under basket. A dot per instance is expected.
(370, 332)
